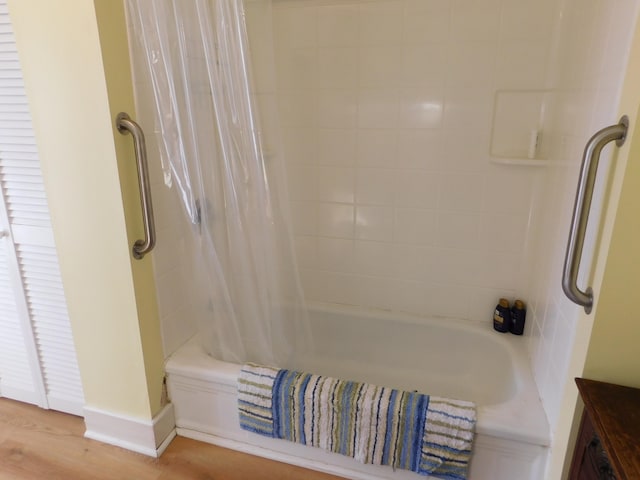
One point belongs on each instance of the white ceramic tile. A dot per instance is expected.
(267, 124)
(426, 21)
(379, 67)
(411, 297)
(471, 60)
(475, 21)
(457, 267)
(374, 186)
(540, 362)
(550, 325)
(304, 217)
(424, 65)
(156, 175)
(554, 392)
(337, 146)
(297, 68)
(468, 109)
(516, 115)
(449, 301)
(413, 262)
(335, 220)
(337, 67)
(373, 258)
(421, 149)
(500, 270)
(296, 26)
(421, 107)
(530, 330)
(415, 226)
(165, 259)
(416, 189)
(169, 207)
(338, 25)
(377, 148)
(458, 230)
(380, 23)
(261, 46)
(337, 108)
(522, 65)
(306, 247)
(470, 155)
(412, 6)
(302, 182)
(376, 126)
(483, 301)
(335, 254)
(562, 345)
(378, 108)
(618, 35)
(374, 292)
(338, 287)
(504, 233)
(177, 327)
(508, 193)
(300, 145)
(374, 223)
(336, 184)
(461, 192)
(297, 109)
(312, 285)
(524, 20)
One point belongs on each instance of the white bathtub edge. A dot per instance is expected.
(190, 363)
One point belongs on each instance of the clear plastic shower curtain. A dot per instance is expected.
(195, 54)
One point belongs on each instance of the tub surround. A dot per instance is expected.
(394, 198)
(424, 242)
(475, 364)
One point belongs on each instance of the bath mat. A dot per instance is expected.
(425, 434)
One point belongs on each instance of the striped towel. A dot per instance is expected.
(426, 434)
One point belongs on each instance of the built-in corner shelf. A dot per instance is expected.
(519, 126)
(522, 162)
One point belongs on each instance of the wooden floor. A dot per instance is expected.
(38, 444)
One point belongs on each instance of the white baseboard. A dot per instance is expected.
(149, 437)
(281, 457)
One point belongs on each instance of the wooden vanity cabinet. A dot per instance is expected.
(608, 444)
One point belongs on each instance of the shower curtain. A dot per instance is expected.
(195, 57)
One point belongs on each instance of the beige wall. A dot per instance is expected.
(613, 354)
(75, 86)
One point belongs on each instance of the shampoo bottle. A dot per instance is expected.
(502, 316)
(518, 313)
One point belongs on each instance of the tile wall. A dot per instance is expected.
(592, 41)
(385, 118)
(176, 284)
(386, 115)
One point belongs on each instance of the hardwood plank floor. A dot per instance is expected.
(38, 444)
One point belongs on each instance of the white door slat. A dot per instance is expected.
(37, 354)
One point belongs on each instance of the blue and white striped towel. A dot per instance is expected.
(425, 434)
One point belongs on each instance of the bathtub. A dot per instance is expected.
(444, 357)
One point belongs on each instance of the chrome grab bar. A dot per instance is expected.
(581, 209)
(125, 125)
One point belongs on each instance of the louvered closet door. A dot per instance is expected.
(37, 356)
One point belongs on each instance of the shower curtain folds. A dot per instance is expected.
(195, 57)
